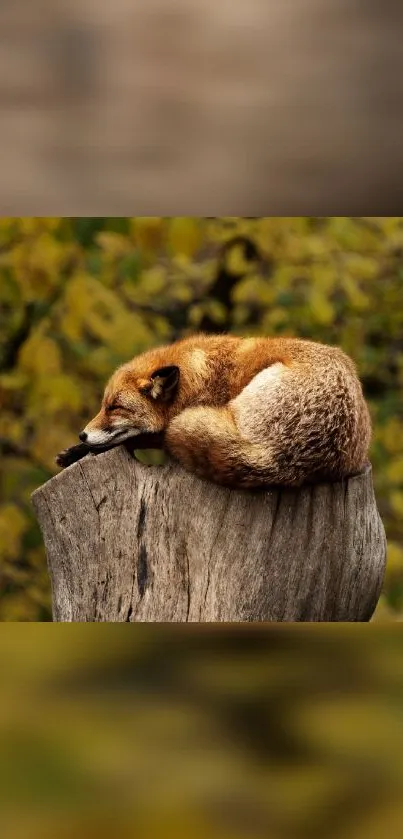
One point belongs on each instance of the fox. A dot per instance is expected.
(242, 412)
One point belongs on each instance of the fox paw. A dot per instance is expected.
(71, 455)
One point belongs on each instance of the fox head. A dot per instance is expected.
(132, 405)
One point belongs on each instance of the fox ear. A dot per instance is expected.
(164, 382)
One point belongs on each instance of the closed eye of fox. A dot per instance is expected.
(242, 412)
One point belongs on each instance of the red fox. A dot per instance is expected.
(242, 412)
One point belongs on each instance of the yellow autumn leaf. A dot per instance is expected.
(394, 558)
(57, 393)
(184, 235)
(13, 524)
(358, 299)
(46, 254)
(48, 441)
(216, 311)
(322, 309)
(394, 470)
(195, 314)
(28, 226)
(392, 435)
(39, 355)
(315, 245)
(396, 500)
(12, 428)
(153, 280)
(361, 267)
(236, 262)
(148, 233)
(323, 277)
(253, 289)
(182, 293)
(113, 244)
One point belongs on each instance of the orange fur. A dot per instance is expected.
(244, 412)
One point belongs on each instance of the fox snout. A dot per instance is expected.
(98, 433)
(104, 437)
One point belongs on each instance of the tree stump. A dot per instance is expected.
(129, 542)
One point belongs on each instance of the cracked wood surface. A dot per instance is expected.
(129, 542)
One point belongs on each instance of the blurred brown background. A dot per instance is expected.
(161, 107)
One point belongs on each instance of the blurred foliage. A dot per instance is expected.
(78, 296)
(230, 732)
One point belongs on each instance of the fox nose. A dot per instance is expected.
(83, 436)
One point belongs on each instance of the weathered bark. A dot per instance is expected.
(128, 542)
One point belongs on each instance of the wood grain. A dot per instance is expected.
(129, 542)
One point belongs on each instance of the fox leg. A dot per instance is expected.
(75, 453)
(207, 442)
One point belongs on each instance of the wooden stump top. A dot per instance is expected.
(129, 542)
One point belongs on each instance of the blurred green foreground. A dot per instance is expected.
(78, 296)
(224, 732)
